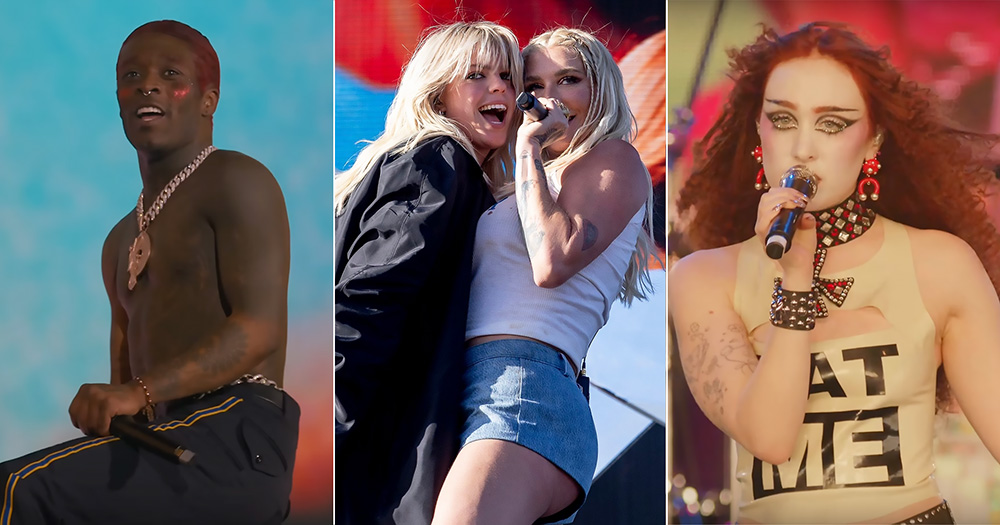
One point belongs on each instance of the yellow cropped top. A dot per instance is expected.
(865, 446)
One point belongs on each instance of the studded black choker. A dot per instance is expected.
(838, 225)
(842, 223)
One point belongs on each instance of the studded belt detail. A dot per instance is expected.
(938, 514)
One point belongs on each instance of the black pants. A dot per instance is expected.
(244, 438)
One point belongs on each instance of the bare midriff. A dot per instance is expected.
(498, 337)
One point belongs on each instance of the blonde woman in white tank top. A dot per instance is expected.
(570, 237)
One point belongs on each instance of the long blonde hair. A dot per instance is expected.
(609, 117)
(444, 54)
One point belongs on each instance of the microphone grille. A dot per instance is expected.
(801, 178)
(525, 101)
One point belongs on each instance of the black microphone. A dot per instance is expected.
(779, 238)
(530, 105)
(141, 436)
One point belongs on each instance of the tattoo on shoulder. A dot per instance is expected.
(589, 235)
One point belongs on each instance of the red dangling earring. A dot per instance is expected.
(869, 169)
(761, 183)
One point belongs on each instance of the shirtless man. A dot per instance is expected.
(198, 292)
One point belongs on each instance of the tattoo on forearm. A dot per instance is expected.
(533, 237)
(589, 235)
(703, 367)
(219, 356)
(534, 234)
(551, 135)
(525, 186)
(522, 201)
(227, 352)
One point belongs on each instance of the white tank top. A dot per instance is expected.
(505, 300)
(865, 447)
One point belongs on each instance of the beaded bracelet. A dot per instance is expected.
(148, 409)
(792, 310)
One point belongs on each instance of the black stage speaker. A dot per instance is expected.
(632, 489)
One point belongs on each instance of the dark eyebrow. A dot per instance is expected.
(820, 109)
(561, 72)
(567, 70)
(832, 109)
(783, 103)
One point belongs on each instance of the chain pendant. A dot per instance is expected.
(138, 256)
(141, 249)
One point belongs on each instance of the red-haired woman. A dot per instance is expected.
(823, 365)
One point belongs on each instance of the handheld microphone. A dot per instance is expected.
(779, 238)
(530, 105)
(141, 436)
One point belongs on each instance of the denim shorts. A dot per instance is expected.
(526, 393)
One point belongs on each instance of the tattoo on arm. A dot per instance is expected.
(715, 392)
(589, 235)
(695, 359)
(525, 187)
(220, 355)
(225, 352)
(534, 234)
(734, 351)
(522, 196)
(737, 350)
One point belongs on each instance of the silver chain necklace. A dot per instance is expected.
(141, 249)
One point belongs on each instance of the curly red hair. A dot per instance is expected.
(928, 164)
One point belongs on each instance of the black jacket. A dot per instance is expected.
(403, 257)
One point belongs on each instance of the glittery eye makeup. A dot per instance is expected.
(781, 120)
(833, 125)
(829, 124)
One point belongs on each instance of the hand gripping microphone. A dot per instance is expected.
(530, 105)
(779, 238)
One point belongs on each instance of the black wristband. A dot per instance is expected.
(792, 310)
